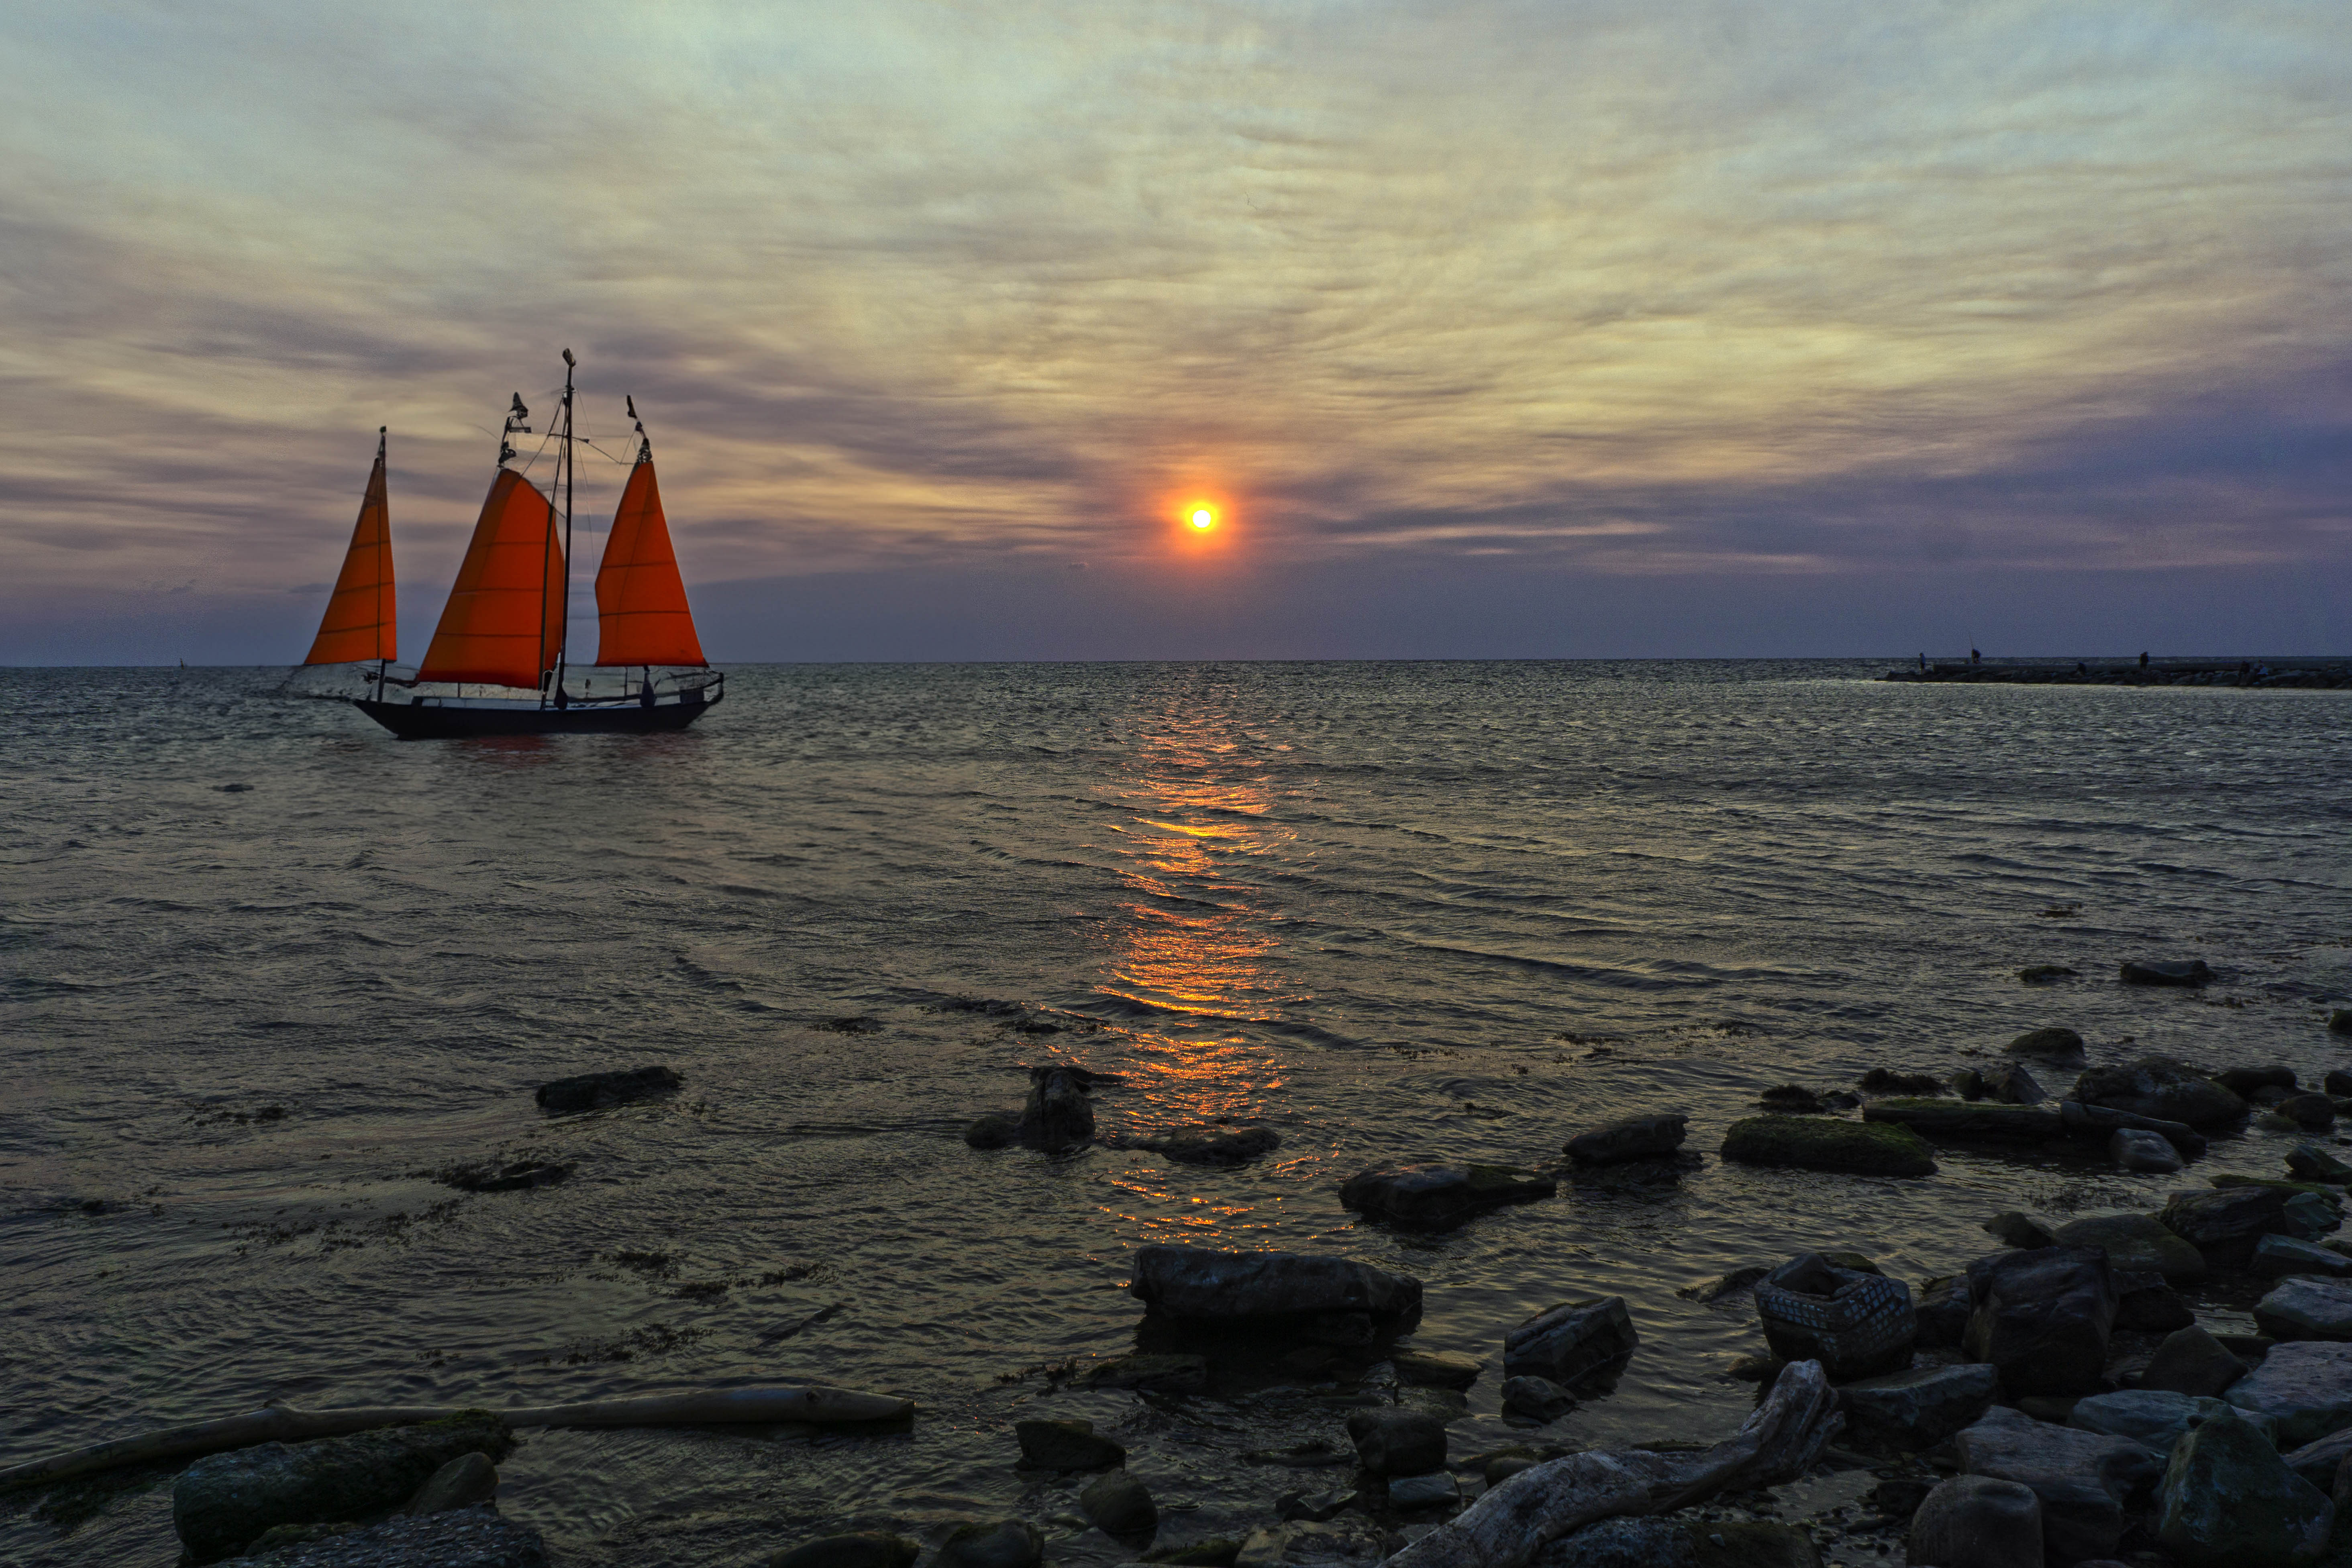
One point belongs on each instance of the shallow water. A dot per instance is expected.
(1396, 911)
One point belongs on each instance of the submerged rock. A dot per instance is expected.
(2305, 1387)
(458, 1538)
(1723, 1285)
(994, 1130)
(2161, 1087)
(1213, 1145)
(602, 1090)
(867, 1549)
(1165, 1374)
(2245, 1082)
(221, 1502)
(2229, 1501)
(2137, 1150)
(1921, 1407)
(2082, 1478)
(496, 1175)
(1651, 1137)
(1792, 1099)
(1066, 1446)
(1982, 1122)
(2134, 1244)
(1885, 1080)
(1058, 1117)
(2102, 1122)
(1438, 1196)
(1306, 1292)
(1419, 1494)
(1119, 1504)
(2060, 1048)
(2301, 1307)
(1536, 1399)
(1854, 1324)
(1821, 1143)
(2038, 973)
(1571, 1340)
(2192, 1362)
(1436, 1368)
(1977, 1522)
(2014, 1228)
(993, 1543)
(2043, 1318)
(2153, 972)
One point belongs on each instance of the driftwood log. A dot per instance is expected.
(284, 1424)
(1506, 1527)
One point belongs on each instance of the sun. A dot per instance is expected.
(1203, 517)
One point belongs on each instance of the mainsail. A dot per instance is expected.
(641, 611)
(504, 621)
(360, 622)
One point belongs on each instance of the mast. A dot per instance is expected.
(382, 586)
(565, 458)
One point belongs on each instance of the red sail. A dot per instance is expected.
(641, 611)
(504, 621)
(360, 622)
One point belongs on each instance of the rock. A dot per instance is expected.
(2278, 1255)
(996, 1543)
(2011, 1084)
(1315, 1507)
(2012, 1227)
(2338, 1082)
(1634, 1176)
(1881, 1080)
(1536, 1399)
(1633, 1138)
(2062, 1048)
(1162, 1374)
(1968, 1084)
(1438, 1196)
(2244, 1081)
(2192, 1362)
(2312, 1113)
(995, 1130)
(1723, 1285)
(1066, 1446)
(2134, 1149)
(1119, 1504)
(462, 1482)
(1621, 1544)
(1755, 1368)
(2226, 1223)
(1418, 1494)
(2100, 1121)
(2163, 1089)
(1855, 1324)
(2134, 1244)
(2082, 1478)
(865, 1549)
(1977, 1521)
(2043, 1318)
(2321, 1462)
(1310, 1294)
(2145, 1304)
(1821, 1143)
(2301, 1307)
(1352, 1541)
(1213, 1145)
(458, 1538)
(224, 1500)
(2040, 973)
(1571, 1340)
(2305, 1387)
(1921, 1407)
(600, 1091)
(1792, 1099)
(2228, 1500)
(494, 1176)
(1944, 1305)
(1392, 1441)
(2310, 1163)
(2152, 1418)
(1958, 1121)
(2156, 972)
(1058, 1116)
(2340, 1022)
(1436, 1368)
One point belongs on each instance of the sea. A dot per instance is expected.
(266, 972)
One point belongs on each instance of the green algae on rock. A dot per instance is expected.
(1825, 1143)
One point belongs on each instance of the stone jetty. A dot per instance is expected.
(2331, 673)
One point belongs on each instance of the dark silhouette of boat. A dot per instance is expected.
(506, 626)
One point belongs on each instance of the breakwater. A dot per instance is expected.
(2316, 673)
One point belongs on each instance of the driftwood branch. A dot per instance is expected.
(1506, 1527)
(284, 1424)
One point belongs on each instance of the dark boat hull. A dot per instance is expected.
(445, 721)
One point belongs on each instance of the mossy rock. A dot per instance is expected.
(2333, 1194)
(1983, 1121)
(1825, 1143)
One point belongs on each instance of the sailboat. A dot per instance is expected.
(506, 625)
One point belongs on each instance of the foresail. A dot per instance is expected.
(504, 621)
(361, 623)
(641, 615)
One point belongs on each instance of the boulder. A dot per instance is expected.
(2310, 1163)
(1958, 1121)
(2225, 1224)
(2013, 1228)
(2304, 1387)
(2161, 1087)
(865, 1549)
(1649, 1137)
(2136, 1149)
(1571, 1341)
(1315, 1295)
(224, 1500)
(1536, 1399)
(2154, 972)
(2103, 1121)
(1944, 1305)
(1350, 1540)
(2134, 1244)
(1882, 1080)
(1419, 1494)
(2082, 1478)
(2322, 1461)
(993, 1543)
(1856, 1325)
(2145, 1304)
(2312, 1113)
(2301, 1307)
(468, 1480)
(1066, 1446)
(1393, 1441)
(2192, 1362)
(1977, 1522)
(994, 1130)
(1439, 1197)
(600, 1091)
(2244, 1081)
(2278, 1255)
(1212, 1145)
(1918, 1408)
(1058, 1116)
(2041, 1318)
(455, 1538)
(1823, 1143)
(2155, 1418)
(1436, 1368)
(2229, 1501)
(2058, 1048)
(1119, 1504)
(2011, 1084)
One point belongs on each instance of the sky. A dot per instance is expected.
(1570, 329)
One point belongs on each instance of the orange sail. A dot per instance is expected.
(504, 621)
(641, 611)
(360, 621)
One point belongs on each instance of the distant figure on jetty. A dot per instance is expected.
(1975, 658)
(1923, 664)
(2143, 658)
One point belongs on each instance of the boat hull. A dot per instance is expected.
(453, 721)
